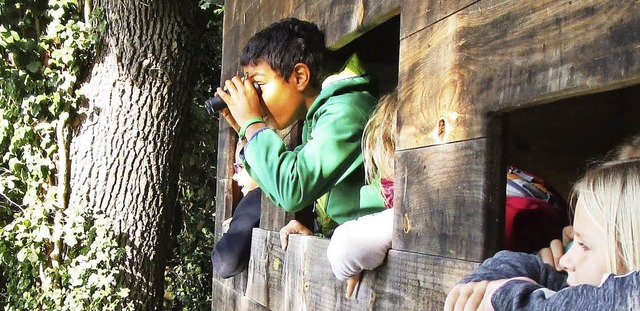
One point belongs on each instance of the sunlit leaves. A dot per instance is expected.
(52, 258)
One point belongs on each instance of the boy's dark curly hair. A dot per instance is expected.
(286, 43)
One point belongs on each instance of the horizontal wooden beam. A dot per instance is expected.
(501, 55)
(421, 14)
(301, 278)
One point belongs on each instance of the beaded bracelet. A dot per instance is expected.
(243, 128)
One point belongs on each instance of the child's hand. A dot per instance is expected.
(293, 227)
(469, 296)
(475, 295)
(551, 255)
(242, 99)
(232, 122)
(351, 284)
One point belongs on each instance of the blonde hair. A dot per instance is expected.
(610, 193)
(379, 138)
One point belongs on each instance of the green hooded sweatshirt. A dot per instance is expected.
(327, 167)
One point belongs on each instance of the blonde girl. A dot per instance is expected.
(362, 243)
(601, 268)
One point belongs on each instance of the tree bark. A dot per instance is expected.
(125, 152)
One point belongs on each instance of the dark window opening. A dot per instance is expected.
(557, 141)
(379, 50)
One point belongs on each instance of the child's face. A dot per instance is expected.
(242, 177)
(283, 99)
(586, 260)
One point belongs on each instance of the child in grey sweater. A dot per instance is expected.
(600, 269)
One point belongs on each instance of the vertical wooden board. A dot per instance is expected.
(225, 298)
(412, 281)
(237, 283)
(230, 51)
(224, 183)
(273, 217)
(230, 15)
(418, 15)
(499, 55)
(224, 205)
(265, 270)
(451, 200)
(310, 284)
(434, 107)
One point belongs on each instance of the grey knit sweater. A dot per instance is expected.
(552, 292)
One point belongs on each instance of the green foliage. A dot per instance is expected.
(189, 272)
(51, 256)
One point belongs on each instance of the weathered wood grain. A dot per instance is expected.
(265, 270)
(225, 198)
(418, 15)
(343, 20)
(406, 281)
(450, 198)
(275, 10)
(412, 281)
(501, 55)
(225, 298)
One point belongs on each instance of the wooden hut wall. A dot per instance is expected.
(465, 67)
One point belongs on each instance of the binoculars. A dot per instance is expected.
(215, 104)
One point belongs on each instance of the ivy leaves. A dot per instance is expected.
(53, 256)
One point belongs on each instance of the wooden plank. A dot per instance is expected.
(272, 217)
(411, 281)
(237, 283)
(343, 21)
(455, 208)
(275, 10)
(224, 184)
(309, 282)
(500, 55)
(421, 14)
(225, 298)
(407, 281)
(230, 51)
(265, 269)
(433, 106)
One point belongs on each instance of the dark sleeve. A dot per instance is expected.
(231, 254)
(506, 265)
(616, 293)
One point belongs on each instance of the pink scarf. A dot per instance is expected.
(387, 192)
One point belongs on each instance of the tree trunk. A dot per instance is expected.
(125, 152)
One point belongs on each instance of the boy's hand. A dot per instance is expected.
(232, 122)
(242, 99)
(293, 227)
